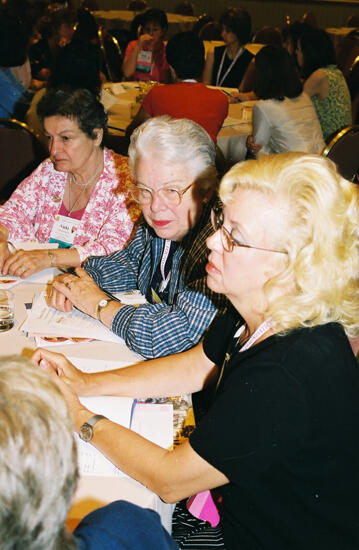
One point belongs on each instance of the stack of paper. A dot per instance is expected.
(154, 422)
(42, 319)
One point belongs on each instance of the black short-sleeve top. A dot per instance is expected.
(236, 73)
(284, 428)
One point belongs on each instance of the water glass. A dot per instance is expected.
(6, 310)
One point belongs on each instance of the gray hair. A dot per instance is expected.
(38, 459)
(176, 141)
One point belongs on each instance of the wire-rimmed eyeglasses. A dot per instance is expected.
(168, 195)
(228, 241)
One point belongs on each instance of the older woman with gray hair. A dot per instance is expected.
(173, 163)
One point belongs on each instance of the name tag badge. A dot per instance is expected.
(144, 61)
(64, 230)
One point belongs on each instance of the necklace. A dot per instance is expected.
(72, 180)
(219, 80)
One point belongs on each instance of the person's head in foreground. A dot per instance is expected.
(75, 122)
(287, 244)
(276, 76)
(185, 55)
(38, 475)
(38, 459)
(173, 164)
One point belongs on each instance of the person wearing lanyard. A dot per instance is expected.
(277, 437)
(226, 65)
(173, 164)
(77, 198)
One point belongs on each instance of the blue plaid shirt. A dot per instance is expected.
(154, 330)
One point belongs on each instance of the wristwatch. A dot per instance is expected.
(101, 305)
(86, 430)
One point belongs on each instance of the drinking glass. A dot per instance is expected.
(6, 310)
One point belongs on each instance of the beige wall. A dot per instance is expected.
(264, 12)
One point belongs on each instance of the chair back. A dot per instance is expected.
(211, 31)
(353, 85)
(20, 153)
(201, 22)
(112, 54)
(343, 149)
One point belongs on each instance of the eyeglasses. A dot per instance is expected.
(143, 195)
(228, 241)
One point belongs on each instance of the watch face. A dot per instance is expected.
(103, 302)
(86, 432)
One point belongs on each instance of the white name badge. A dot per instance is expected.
(64, 231)
(144, 61)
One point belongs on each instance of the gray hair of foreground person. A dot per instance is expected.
(320, 230)
(38, 459)
(176, 141)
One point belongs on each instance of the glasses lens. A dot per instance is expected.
(141, 195)
(226, 239)
(170, 196)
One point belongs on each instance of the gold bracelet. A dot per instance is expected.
(51, 255)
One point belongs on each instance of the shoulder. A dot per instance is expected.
(315, 82)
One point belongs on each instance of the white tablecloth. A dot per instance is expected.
(92, 491)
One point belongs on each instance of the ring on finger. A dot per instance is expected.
(23, 269)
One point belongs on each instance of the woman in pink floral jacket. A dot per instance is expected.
(77, 198)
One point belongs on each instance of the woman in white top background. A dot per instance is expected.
(284, 118)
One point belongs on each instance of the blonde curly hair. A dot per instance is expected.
(320, 238)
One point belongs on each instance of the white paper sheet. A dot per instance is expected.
(42, 319)
(155, 422)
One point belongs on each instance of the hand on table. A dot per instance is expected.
(4, 253)
(24, 263)
(79, 290)
(254, 148)
(70, 381)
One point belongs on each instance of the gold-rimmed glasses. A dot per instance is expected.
(228, 241)
(169, 195)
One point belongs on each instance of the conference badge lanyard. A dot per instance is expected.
(64, 231)
(144, 61)
(219, 81)
(262, 329)
(165, 280)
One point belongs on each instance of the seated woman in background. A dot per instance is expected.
(173, 164)
(284, 118)
(77, 198)
(324, 82)
(145, 58)
(14, 95)
(226, 65)
(278, 439)
(77, 65)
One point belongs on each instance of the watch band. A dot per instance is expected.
(86, 430)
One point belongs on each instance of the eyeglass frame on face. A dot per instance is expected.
(152, 192)
(227, 240)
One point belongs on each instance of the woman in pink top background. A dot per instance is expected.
(78, 197)
(145, 58)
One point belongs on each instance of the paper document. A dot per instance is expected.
(42, 319)
(155, 422)
(45, 276)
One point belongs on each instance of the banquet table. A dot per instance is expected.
(121, 19)
(92, 491)
(123, 100)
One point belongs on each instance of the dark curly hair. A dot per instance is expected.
(276, 76)
(317, 49)
(78, 104)
(238, 21)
